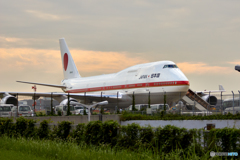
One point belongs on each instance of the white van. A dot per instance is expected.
(158, 107)
(139, 107)
(23, 110)
(231, 110)
(81, 111)
(6, 110)
(63, 109)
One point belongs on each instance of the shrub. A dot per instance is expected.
(59, 113)
(129, 135)
(94, 134)
(170, 138)
(110, 132)
(31, 130)
(21, 125)
(79, 133)
(63, 130)
(43, 130)
(7, 127)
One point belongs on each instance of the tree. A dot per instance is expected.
(51, 110)
(149, 101)
(133, 103)
(165, 97)
(68, 109)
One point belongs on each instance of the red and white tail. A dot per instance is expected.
(69, 68)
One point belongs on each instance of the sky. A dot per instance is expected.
(201, 37)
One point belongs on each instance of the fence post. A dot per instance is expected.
(17, 105)
(68, 109)
(238, 98)
(51, 110)
(34, 102)
(209, 103)
(133, 102)
(149, 101)
(165, 101)
(233, 101)
(193, 109)
(117, 100)
(221, 104)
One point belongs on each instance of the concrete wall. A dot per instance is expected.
(189, 124)
(75, 119)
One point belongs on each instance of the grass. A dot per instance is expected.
(13, 155)
(131, 116)
(21, 148)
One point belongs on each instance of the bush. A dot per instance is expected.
(129, 135)
(21, 125)
(94, 133)
(79, 133)
(110, 132)
(31, 130)
(7, 127)
(43, 130)
(62, 131)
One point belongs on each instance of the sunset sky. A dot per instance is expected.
(201, 37)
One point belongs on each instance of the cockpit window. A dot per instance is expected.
(170, 66)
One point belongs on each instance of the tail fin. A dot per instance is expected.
(69, 67)
(221, 88)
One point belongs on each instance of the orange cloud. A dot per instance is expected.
(235, 62)
(43, 15)
(202, 68)
(20, 59)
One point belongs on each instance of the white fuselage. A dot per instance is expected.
(140, 80)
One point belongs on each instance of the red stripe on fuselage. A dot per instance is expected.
(130, 86)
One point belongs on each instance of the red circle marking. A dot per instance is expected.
(65, 60)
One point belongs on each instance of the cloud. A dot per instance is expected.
(44, 16)
(49, 61)
(235, 62)
(203, 68)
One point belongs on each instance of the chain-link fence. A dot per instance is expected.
(138, 102)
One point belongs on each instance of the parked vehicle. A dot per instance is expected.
(155, 107)
(232, 110)
(159, 107)
(139, 107)
(81, 111)
(6, 110)
(63, 109)
(23, 110)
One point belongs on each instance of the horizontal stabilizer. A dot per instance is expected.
(43, 84)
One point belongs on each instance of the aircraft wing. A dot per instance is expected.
(221, 89)
(61, 95)
(43, 84)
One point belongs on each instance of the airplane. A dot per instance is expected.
(155, 78)
(237, 68)
(206, 95)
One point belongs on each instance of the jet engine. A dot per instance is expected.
(212, 100)
(9, 99)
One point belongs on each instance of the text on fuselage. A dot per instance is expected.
(154, 75)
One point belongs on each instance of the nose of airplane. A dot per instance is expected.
(178, 75)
